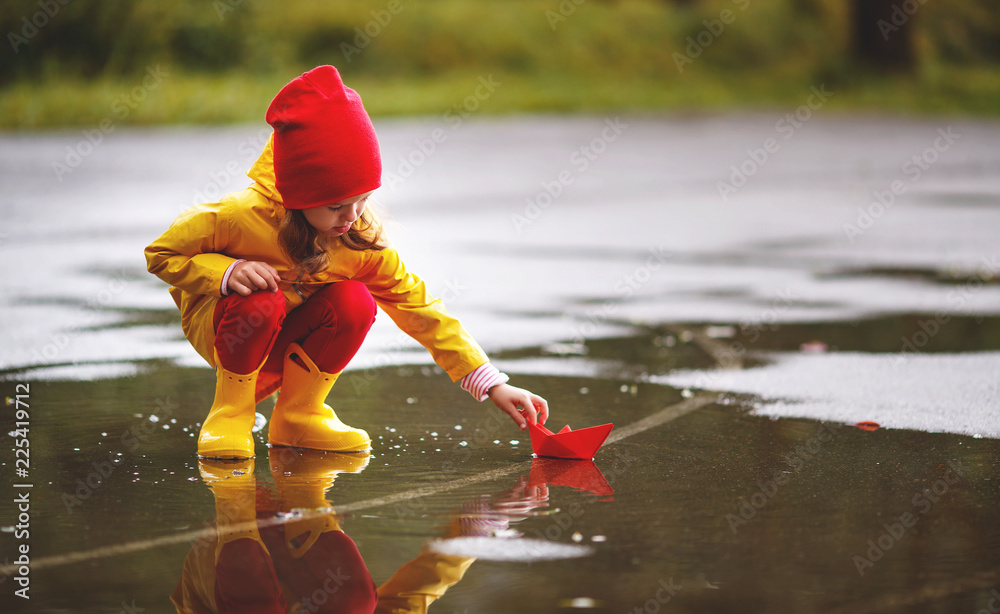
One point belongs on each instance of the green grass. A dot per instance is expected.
(604, 57)
(184, 98)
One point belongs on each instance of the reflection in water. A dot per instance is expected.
(578, 474)
(280, 547)
(275, 549)
(675, 486)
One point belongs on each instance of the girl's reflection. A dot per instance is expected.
(282, 550)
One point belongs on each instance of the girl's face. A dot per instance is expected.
(336, 219)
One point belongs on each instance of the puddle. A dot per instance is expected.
(901, 333)
(713, 508)
(953, 276)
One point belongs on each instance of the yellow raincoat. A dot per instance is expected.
(195, 252)
(421, 582)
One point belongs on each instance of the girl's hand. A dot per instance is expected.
(486, 516)
(508, 399)
(253, 275)
(518, 502)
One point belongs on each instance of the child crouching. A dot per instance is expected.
(278, 284)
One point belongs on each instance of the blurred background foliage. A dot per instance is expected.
(66, 61)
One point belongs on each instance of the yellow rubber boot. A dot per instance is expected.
(227, 431)
(302, 419)
(234, 487)
(301, 480)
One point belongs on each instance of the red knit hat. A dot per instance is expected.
(325, 149)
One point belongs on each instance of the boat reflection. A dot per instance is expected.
(577, 474)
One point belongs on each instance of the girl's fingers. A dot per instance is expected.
(255, 280)
(241, 289)
(272, 277)
(256, 275)
(516, 417)
(529, 409)
(265, 281)
(264, 277)
(543, 409)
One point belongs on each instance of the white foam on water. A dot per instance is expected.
(948, 393)
(84, 372)
(524, 550)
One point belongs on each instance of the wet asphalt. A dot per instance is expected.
(612, 265)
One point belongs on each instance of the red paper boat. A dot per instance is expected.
(567, 443)
(578, 474)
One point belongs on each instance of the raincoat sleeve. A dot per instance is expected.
(417, 584)
(189, 255)
(404, 298)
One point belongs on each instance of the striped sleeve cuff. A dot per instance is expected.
(224, 290)
(479, 382)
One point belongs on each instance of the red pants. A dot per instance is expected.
(330, 577)
(330, 326)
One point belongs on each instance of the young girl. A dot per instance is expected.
(277, 284)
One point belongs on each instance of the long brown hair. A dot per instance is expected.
(307, 247)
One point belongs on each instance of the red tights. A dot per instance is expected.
(330, 326)
(330, 577)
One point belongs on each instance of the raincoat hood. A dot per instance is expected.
(262, 173)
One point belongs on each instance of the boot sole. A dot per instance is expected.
(304, 447)
(226, 456)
